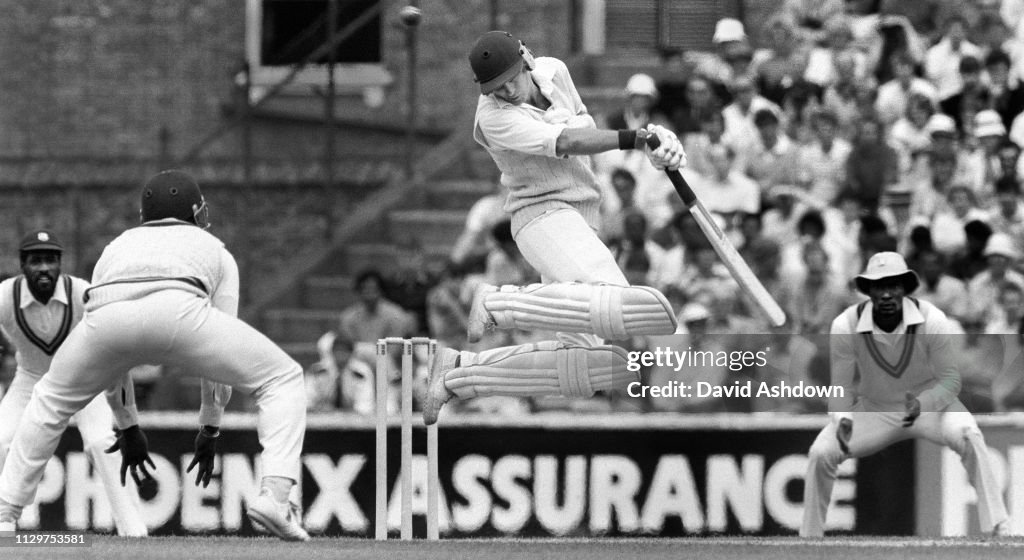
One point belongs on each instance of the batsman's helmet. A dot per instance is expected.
(174, 194)
(496, 58)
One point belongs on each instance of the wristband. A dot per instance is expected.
(210, 431)
(627, 139)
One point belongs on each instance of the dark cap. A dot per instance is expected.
(496, 59)
(40, 240)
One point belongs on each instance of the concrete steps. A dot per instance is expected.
(303, 352)
(298, 325)
(426, 228)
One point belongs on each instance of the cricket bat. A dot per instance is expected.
(738, 268)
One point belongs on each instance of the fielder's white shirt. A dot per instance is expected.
(162, 255)
(880, 368)
(47, 324)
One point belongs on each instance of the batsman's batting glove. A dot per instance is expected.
(134, 448)
(913, 408)
(205, 452)
(669, 154)
(843, 433)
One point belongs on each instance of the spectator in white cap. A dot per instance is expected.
(942, 130)
(989, 132)
(641, 94)
(732, 54)
(1001, 255)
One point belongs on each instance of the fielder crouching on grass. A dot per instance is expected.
(165, 293)
(904, 352)
(38, 308)
(532, 122)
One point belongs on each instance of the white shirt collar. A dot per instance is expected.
(27, 299)
(543, 76)
(911, 316)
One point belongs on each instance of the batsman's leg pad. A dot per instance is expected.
(544, 368)
(607, 310)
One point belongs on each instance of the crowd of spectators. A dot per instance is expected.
(850, 128)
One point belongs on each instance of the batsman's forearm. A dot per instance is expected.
(586, 141)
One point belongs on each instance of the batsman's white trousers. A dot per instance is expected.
(873, 431)
(563, 248)
(96, 426)
(174, 328)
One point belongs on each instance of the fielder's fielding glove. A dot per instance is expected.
(205, 452)
(134, 448)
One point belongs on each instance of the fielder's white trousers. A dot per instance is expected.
(873, 431)
(173, 328)
(96, 426)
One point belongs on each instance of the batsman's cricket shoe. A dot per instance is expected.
(480, 319)
(437, 393)
(281, 519)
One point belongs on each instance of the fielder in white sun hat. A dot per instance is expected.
(887, 264)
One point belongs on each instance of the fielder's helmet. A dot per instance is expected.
(173, 194)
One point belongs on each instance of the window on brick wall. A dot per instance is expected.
(282, 33)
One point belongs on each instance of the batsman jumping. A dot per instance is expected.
(531, 120)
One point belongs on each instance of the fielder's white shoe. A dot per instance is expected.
(281, 519)
(479, 319)
(8, 525)
(9, 515)
(437, 393)
(1000, 530)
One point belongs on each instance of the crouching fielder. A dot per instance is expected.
(165, 293)
(531, 120)
(37, 311)
(903, 350)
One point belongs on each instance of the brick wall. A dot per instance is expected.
(262, 226)
(99, 78)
